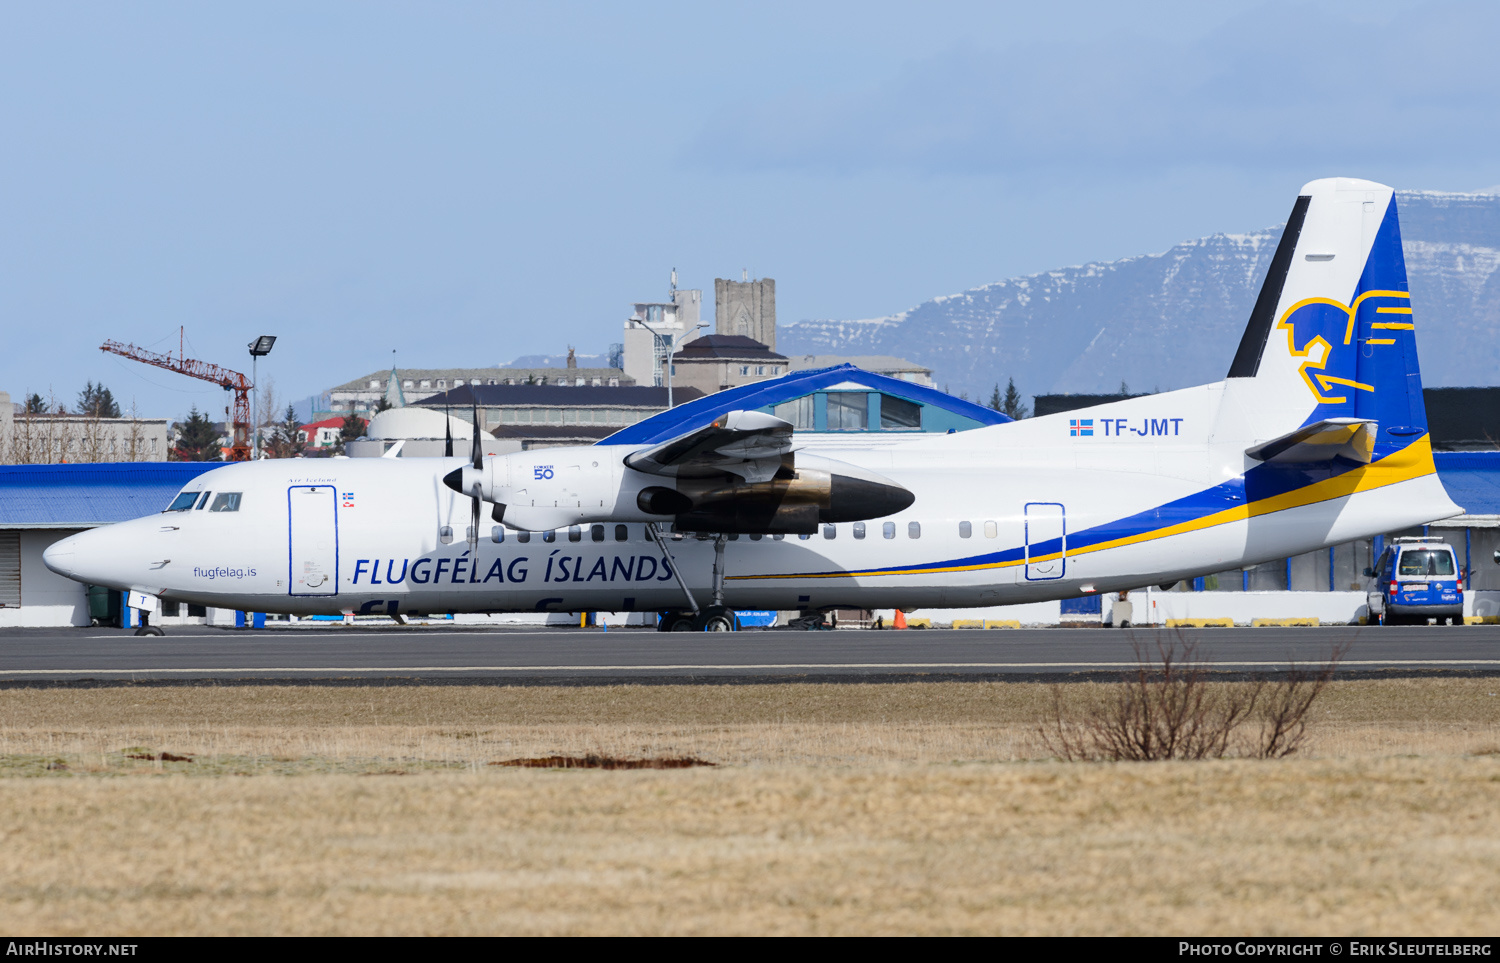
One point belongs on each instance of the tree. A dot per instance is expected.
(1011, 405)
(35, 404)
(995, 398)
(1124, 388)
(353, 427)
(197, 439)
(287, 438)
(97, 401)
(381, 405)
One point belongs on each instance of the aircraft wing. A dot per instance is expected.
(749, 444)
(1351, 438)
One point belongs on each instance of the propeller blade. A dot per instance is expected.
(476, 460)
(474, 519)
(447, 433)
(476, 453)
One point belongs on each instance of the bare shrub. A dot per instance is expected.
(1169, 708)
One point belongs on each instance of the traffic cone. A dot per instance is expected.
(900, 622)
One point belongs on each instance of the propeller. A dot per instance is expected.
(469, 480)
(476, 461)
(447, 433)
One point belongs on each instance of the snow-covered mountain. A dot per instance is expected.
(1169, 320)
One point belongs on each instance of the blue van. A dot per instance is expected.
(1417, 579)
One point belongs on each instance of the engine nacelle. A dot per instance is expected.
(551, 488)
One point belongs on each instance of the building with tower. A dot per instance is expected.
(746, 309)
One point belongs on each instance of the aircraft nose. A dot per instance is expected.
(86, 557)
(60, 556)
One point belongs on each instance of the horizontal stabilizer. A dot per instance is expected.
(1349, 438)
(749, 444)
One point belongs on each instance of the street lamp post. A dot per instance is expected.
(671, 343)
(259, 347)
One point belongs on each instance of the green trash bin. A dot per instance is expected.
(104, 606)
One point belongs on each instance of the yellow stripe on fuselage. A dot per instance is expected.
(1413, 461)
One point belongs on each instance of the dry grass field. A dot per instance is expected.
(923, 808)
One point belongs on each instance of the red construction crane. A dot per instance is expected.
(193, 368)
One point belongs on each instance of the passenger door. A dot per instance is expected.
(1046, 541)
(313, 536)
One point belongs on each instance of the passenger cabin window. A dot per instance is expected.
(830, 531)
(888, 530)
(523, 537)
(859, 529)
(445, 534)
(549, 536)
(596, 532)
(226, 502)
(621, 533)
(575, 534)
(497, 534)
(183, 502)
(990, 530)
(1426, 562)
(913, 529)
(965, 530)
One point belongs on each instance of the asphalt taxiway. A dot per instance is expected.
(361, 655)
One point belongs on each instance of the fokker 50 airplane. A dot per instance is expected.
(1317, 436)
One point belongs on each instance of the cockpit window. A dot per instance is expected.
(183, 502)
(202, 501)
(226, 502)
(1426, 562)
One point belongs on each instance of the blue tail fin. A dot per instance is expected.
(1333, 328)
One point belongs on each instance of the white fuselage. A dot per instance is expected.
(1017, 512)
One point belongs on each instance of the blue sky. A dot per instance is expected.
(465, 183)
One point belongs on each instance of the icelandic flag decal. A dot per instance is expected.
(1081, 426)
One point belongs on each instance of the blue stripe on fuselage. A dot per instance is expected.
(1261, 482)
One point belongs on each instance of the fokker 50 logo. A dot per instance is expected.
(1326, 369)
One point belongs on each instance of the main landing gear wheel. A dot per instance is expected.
(149, 630)
(719, 622)
(681, 623)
